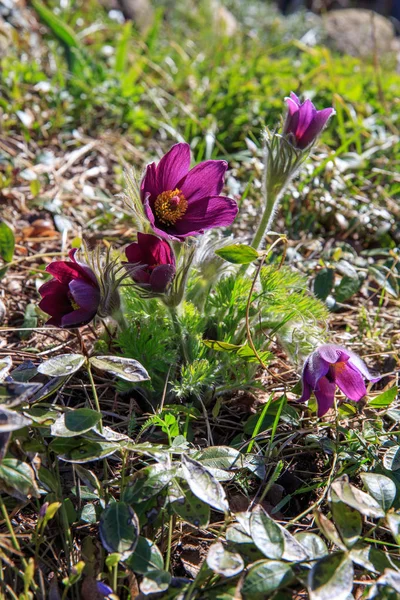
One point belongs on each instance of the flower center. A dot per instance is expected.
(335, 369)
(74, 305)
(170, 206)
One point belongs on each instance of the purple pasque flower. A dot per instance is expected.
(152, 262)
(304, 122)
(72, 298)
(103, 589)
(180, 202)
(330, 366)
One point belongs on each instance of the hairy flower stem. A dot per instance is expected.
(179, 333)
(265, 222)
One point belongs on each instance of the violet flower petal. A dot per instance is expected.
(77, 318)
(204, 180)
(350, 382)
(148, 184)
(173, 167)
(357, 363)
(161, 277)
(316, 126)
(85, 295)
(333, 353)
(315, 368)
(325, 395)
(217, 211)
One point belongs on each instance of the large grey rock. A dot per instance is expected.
(359, 32)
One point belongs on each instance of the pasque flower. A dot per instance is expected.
(304, 122)
(72, 298)
(151, 262)
(180, 202)
(330, 366)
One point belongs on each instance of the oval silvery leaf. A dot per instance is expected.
(125, 368)
(264, 577)
(223, 561)
(13, 393)
(331, 577)
(266, 534)
(79, 450)
(293, 551)
(5, 366)
(381, 488)
(352, 496)
(347, 520)
(119, 529)
(191, 509)
(146, 557)
(391, 459)
(314, 545)
(155, 582)
(18, 479)
(64, 364)
(393, 522)
(221, 457)
(147, 482)
(203, 484)
(75, 422)
(371, 558)
(12, 421)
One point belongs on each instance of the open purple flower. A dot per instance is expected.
(332, 366)
(151, 262)
(73, 296)
(180, 202)
(304, 122)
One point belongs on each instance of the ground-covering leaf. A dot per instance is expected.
(80, 451)
(7, 242)
(314, 545)
(381, 488)
(393, 522)
(328, 529)
(125, 368)
(371, 558)
(191, 509)
(5, 366)
(14, 393)
(266, 534)
(238, 254)
(323, 283)
(62, 365)
(146, 557)
(264, 577)
(119, 529)
(18, 479)
(331, 577)
(75, 422)
(357, 499)
(391, 459)
(347, 520)
(223, 561)
(148, 482)
(203, 484)
(12, 421)
(155, 581)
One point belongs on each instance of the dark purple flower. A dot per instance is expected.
(332, 366)
(73, 296)
(180, 202)
(152, 262)
(103, 589)
(304, 122)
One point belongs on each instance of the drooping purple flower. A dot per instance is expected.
(73, 296)
(152, 262)
(304, 122)
(180, 202)
(332, 366)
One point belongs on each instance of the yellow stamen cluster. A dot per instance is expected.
(170, 206)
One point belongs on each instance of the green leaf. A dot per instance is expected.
(266, 534)
(238, 254)
(191, 509)
(204, 485)
(383, 278)
(381, 488)
(323, 283)
(7, 242)
(331, 577)
(371, 558)
(155, 581)
(357, 499)
(385, 398)
(88, 514)
(78, 450)
(347, 520)
(347, 288)
(264, 577)
(125, 368)
(119, 529)
(314, 545)
(30, 321)
(75, 422)
(17, 479)
(393, 522)
(62, 365)
(223, 561)
(146, 557)
(221, 457)
(147, 482)
(391, 459)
